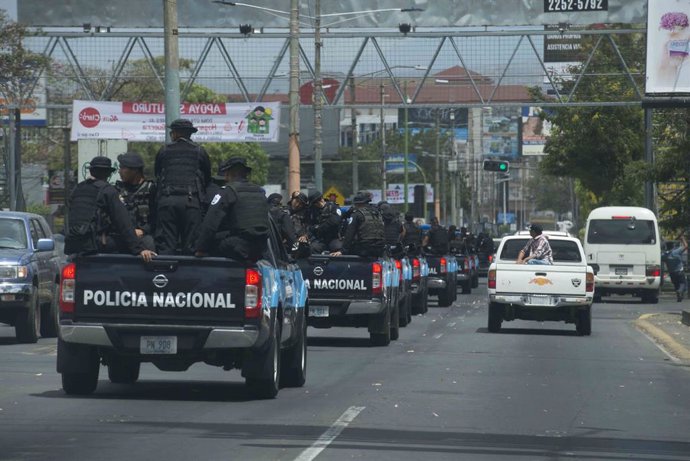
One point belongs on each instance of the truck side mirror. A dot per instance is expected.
(45, 245)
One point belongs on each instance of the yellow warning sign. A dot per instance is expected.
(334, 194)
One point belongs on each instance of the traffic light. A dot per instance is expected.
(496, 165)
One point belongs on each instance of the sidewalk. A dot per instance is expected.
(669, 331)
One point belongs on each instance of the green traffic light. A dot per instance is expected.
(502, 166)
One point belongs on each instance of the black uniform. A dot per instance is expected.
(325, 227)
(98, 221)
(236, 225)
(364, 235)
(438, 240)
(281, 216)
(183, 171)
(140, 201)
(413, 234)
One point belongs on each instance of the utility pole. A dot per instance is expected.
(384, 182)
(293, 142)
(12, 163)
(172, 64)
(406, 205)
(454, 173)
(355, 139)
(318, 98)
(437, 170)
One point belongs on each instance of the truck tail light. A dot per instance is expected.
(466, 266)
(416, 270)
(491, 281)
(252, 294)
(398, 265)
(589, 286)
(491, 258)
(68, 288)
(444, 266)
(653, 271)
(376, 279)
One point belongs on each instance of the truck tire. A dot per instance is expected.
(85, 381)
(444, 299)
(650, 297)
(583, 322)
(381, 336)
(405, 312)
(50, 317)
(425, 301)
(475, 281)
(122, 370)
(268, 385)
(28, 324)
(467, 287)
(395, 323)
(293, 364)
(495, 317)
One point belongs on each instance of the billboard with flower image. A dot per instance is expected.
(668, 46)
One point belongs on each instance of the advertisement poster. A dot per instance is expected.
(500, 134)
(535, 131)
(668, 38)
(143, 121)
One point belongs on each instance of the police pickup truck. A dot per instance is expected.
(442, 280)
(560, 292)
(179, 310)
(353, 291)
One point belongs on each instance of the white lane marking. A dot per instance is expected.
(451, 324)
(438, 336)
(330, 435)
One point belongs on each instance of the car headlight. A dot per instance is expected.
(14, 272)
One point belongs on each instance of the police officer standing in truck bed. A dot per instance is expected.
(183, 171)
(139, 196)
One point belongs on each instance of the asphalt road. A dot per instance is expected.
(447, 389)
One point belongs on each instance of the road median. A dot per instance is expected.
(667, 330)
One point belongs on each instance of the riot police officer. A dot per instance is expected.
(392, 228)
(236, 225)
(437, 238)
(98, 221)
(412, 234)
(139, 196)
(325, 217)
(183, 171)
(364, 234)
(281, 216)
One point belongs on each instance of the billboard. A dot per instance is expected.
(668, 47)
(535, 131)
(33, 111)
(145, 121)
(500, 132)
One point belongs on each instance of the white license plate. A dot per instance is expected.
(158, 345)
(621, 271)
(318, 311)
(7, 297)
(540, 300)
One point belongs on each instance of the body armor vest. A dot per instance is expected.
(137, 201)
(391, 230)
(438, 240)
(180, 172)
(248, 216)
(413, 234)
(371, 229)
(85, 219)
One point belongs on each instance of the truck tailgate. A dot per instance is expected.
(538, 279)
(169, 290)
(338, 277)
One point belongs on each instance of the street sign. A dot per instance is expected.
(339, 198)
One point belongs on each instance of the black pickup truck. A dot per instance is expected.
(442, 280)
(352, 291)
(179, 310)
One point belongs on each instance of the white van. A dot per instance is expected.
(622, 245)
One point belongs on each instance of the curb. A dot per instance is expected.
(662, 338)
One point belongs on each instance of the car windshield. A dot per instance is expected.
(561, 250)
(621, 231)
(12, 234)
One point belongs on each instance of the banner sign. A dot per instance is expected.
(668, 46)
(535, 131)
(145, 121)
(395, 194)
(395, 163)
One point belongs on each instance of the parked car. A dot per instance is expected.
(29, 276)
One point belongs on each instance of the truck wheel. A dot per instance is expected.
(395, 323)
(454, 291)
(425, 300)
(28, 324)
(650, 297)
(583, 322)
(404, 312)
(381, 336)
(267, 386)
(444, 299)
(122, 370)
(293, 364)
(495, 317)
(475, 281)
(408, 309)
(50, 319)
(467, 287)
(84, 382)
(417, 304)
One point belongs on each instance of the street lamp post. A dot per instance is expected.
(318, 98)
(406, 150)
(384, 185)
(454, 173)
(355, 140)
(437, 170)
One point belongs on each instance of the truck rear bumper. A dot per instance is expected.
(434, 283)
(218, 337)
(365, 307)
(554, 300)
